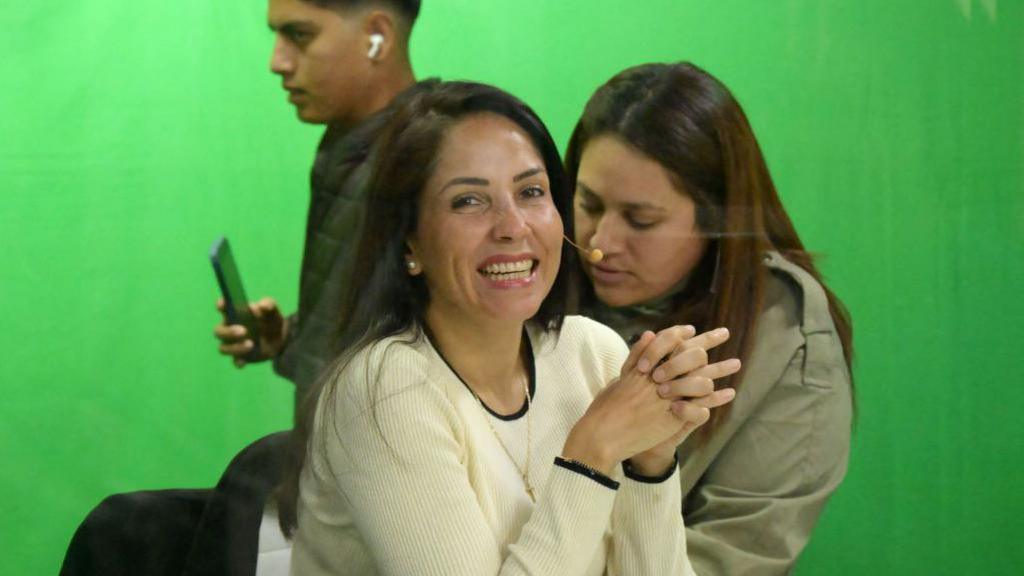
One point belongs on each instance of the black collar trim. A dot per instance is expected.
(531, 371)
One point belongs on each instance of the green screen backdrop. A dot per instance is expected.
(134, 133)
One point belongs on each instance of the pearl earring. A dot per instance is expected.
(410, 264)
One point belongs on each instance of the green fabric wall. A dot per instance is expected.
(133, 133)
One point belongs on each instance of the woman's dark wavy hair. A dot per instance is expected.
(385, 300)
(691, 124)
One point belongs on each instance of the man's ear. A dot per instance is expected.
(381, 32)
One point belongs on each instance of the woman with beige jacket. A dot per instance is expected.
(681, 223)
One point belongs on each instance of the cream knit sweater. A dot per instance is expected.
(408, 478)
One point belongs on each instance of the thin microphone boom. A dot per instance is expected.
(593, 254)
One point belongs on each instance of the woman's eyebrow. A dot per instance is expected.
(467, 180)
(588, 191)
(527, 173)
(643, 206)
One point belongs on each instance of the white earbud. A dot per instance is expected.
(375, 41)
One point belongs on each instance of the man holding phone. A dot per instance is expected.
(341, 62)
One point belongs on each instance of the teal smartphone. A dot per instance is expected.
(236, 305)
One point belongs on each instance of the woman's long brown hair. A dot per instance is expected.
(691, 124)
(385, 300)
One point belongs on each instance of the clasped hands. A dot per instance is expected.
(664, 392)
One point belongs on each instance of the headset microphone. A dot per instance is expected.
(375, 41)
(593, 254)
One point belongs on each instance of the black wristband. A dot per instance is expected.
(632, 474)
(581, 468)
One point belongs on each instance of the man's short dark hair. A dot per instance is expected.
(410, 9)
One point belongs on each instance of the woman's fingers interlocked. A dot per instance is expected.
(683, 362)
(688, 387)
(675, 354)
(708, 340)
(700, 381)
(665, 343)
(676, 361)
(635, 351)
(691, 413)
(713, 400)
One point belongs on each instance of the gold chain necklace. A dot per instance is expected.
(524, 471)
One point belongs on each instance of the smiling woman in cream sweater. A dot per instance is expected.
(469, 427)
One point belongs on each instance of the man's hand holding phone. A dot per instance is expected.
(236, 341)
(249, 331)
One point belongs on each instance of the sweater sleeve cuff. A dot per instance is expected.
(594, 475)
(632, 474)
